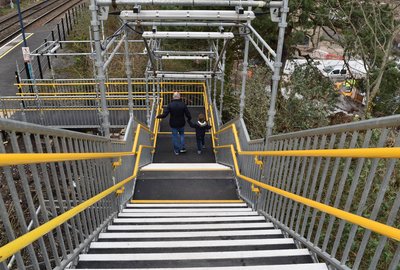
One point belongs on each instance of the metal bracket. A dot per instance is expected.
(255, 189)
(120, 191)
(259, 162)
(117, 163)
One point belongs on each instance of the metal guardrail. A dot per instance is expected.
(77, 196)
(298, 182)
(76, 103)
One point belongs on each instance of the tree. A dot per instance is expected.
(367, 31)
(308, 99)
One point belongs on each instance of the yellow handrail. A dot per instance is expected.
(372, 225)
(107, 83)
(21, 242)
(32, 158)
(392, 152)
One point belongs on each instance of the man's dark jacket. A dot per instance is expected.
(178, 109)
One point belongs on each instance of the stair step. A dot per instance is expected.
(188, 214)
(175, 227)
(194, 255)
(304, 266)
(185, 205)
(185, 167)
(189, 219)
(189, 210)
(191, 234)
(187, 244)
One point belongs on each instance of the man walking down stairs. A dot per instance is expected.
(186, 216)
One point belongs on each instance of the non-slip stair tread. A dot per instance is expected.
(194, 255)
(200, 243)
(188, 210)
(185, 189)
(184, 205)
(173, 227)
(187, 219)
(185, 167)
(304, 266)
(200, 214)
(190, 234)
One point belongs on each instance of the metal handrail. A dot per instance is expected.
(392, 152)
(381, 152)
(372, 225)
(15, 246)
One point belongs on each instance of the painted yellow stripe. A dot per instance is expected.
(186, 201)
(16, 45)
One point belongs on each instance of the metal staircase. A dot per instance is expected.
(188, 222)
(188, 235)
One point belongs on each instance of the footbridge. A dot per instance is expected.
(325, 198)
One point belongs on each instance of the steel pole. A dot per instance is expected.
(147, 101)
(100, 70)
(245, 65)
(221, 96)
(128, 68)
(244, 77)
(277, 68)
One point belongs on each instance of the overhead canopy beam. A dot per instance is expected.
(187, 15)
(219, 3)
(188, 35)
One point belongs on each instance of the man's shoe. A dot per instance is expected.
(204, 147)
(199, 152)
(176, 153)
(183, 150)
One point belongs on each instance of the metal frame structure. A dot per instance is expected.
(136, 20)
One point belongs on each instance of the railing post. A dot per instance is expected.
(40, 68)
(63, 28)
(59, 35)
(69, 18)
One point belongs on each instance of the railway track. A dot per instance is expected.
(10, 27)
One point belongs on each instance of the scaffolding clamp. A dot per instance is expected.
(259, 162)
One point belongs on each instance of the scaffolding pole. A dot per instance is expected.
(244, 77)
(100, 70)
(277, 68)
(221, 97)
(224, 3)
(128, 68)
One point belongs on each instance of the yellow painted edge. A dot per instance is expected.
(186, 170)
(16, 45)
(186, 201)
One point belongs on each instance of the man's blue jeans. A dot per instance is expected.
(178, 139)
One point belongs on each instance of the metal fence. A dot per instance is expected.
(363, 186)
(40, 64)
(39, 192)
